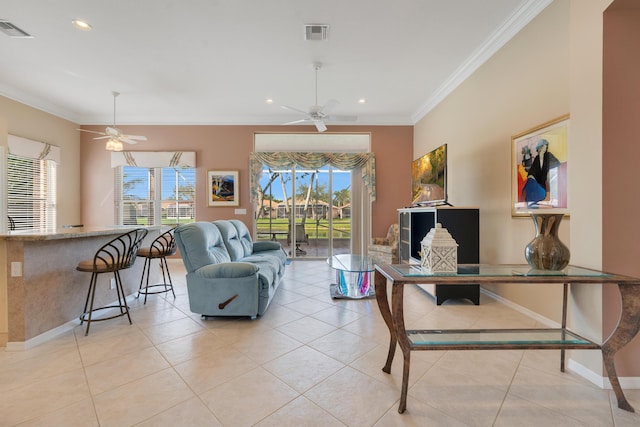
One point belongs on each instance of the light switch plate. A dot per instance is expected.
(16, 269)
(240, 211)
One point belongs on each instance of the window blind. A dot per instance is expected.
(154, 196)
(31, 193)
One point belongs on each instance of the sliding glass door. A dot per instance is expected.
(307, 210)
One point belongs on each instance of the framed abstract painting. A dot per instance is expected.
(223, 188)
(539, 168)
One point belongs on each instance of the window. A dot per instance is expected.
(31, 193)
(155, 196)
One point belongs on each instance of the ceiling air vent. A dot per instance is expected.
(12, 31)
(315, 31)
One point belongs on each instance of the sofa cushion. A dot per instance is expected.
(268, 275)
(245, 236)
(265, 245)
(231, 239)
(200, 244)
(227, 270)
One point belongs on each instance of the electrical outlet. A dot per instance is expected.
(112, 284)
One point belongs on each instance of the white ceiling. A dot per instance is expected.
(217, 61)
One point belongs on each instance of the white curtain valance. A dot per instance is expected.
(153, 159)
(30, 149)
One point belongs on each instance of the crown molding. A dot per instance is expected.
(505, 32)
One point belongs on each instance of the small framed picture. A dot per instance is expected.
(223, 188)
(539, 168)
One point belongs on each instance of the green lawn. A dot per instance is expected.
(314, 228)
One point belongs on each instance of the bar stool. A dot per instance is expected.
(118, 254)
(162, 247)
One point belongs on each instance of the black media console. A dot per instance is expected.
(464, 226)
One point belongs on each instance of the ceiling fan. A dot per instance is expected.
(319, 115)
(115, 135)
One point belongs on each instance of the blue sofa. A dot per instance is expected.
(228, 274)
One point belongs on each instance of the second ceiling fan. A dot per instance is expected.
(114, 135)
(319, 115)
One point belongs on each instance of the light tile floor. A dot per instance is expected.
(309, 361)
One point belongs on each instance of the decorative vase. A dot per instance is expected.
(546, 251)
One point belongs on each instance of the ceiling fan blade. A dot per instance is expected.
(341, 118)
(126, 139)
(102, 137)
(90, 131)
(320, 125)
(286, 107)
(113, 131)
(329, 106)
(297, 121)
(135, 137)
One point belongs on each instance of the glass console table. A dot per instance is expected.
(491, 339)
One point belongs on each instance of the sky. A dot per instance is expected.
(341, 180)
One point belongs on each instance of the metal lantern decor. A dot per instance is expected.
(439, 251)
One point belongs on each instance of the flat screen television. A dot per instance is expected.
(429, 178)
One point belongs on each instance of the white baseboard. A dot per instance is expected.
(541, 319)
(51, 333)
(599, 380)
(586, 373)
(42, 338)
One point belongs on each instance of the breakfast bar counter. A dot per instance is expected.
(41, 293)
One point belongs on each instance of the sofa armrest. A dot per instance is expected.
(265, 245)
(227, 270)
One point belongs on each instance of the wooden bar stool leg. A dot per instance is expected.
(167, 282)
(162, 246)
(117, 254)
(86, 302)
(92, 290)
(124, 308)
(144, 286)
(166, 267)
(144, 268)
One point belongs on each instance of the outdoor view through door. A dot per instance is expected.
(307, 211)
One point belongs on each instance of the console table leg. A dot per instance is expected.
(380, 283)
(565, 293)
(627, 329)
(615, 383)
(392, 352)
(405, 382)
(397, 301)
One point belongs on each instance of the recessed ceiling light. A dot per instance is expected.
(81, 25)
(269, 101)
(362, 101)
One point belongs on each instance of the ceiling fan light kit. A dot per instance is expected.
(319, 115)
(114, 145)
(115, 135)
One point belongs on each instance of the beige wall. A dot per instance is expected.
(22, 120)
(552, 67)
(524, 84)
(585, 183)
(228, 147)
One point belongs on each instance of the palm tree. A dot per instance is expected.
(342, 197)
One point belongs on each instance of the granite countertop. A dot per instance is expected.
(72, 232)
